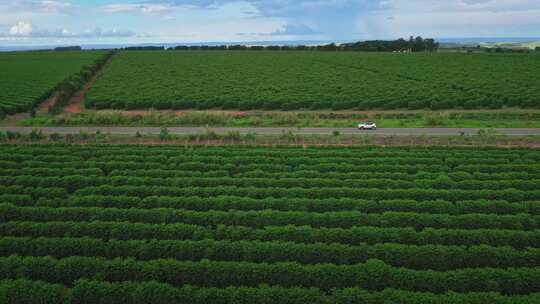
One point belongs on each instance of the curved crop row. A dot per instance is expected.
(435, 257)
(75, 182)
(23, 291)
(259, 219)
(371, 275)
(511, 195)
(352, 236)
(225, 203)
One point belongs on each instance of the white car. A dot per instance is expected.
(367, 126)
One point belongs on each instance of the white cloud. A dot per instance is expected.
(26, 30)
(453, 18)
(50, 6)
(226, 20)
(288, 29)
(136, 8)
(21, 29)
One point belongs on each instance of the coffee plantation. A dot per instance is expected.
(288, 80)
(233, 224)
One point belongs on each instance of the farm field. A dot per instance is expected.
(231, 224)
(28, 78)
(280, 80)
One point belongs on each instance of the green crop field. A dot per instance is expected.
(316, 80)
(28, 78)
(171, 224)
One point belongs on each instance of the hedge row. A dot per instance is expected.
(306, 174)
(352, 236)
(426, 257)
(45, 172)
(263, 218)
(107, 167)
(239, 156)
(74, 182)
(323, 167)
(22, 291)
(511, 195)
(286, 152)
(34, 192)
(17, 199)
(301, 179)
(308, 159)
(371, 275)
(225, 203)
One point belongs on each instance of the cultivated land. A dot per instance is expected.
(179, 224)
(28, 78)
(229, 215)
(316, 80)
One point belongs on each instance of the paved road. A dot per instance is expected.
(178, 130)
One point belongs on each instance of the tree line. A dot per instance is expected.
(413, 44)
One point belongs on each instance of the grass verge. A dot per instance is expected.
(384, 119)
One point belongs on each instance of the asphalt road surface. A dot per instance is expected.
(272, 131)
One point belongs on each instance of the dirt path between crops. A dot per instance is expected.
(75, 104)
(44, 107)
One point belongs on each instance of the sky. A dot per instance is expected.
(49, 22)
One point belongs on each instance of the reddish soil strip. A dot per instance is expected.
(75, 104)
(44, 107)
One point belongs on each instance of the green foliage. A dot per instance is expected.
(36, 135)
(202, 119)
(164, 134)
(10, 135)
(372, 275)
(436, 119)
(23, 291)
(233, 136)
(92, 291)
(55, 137)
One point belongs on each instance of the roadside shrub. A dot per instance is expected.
(436, 119)
(10, 135)
(164, 134)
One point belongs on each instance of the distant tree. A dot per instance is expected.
(419, 45)
(68, 48)
(328, 47)
(411, 43)
(237, 47)
(431, 45)
(145, 48)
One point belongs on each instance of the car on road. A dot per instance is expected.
(367, 126)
